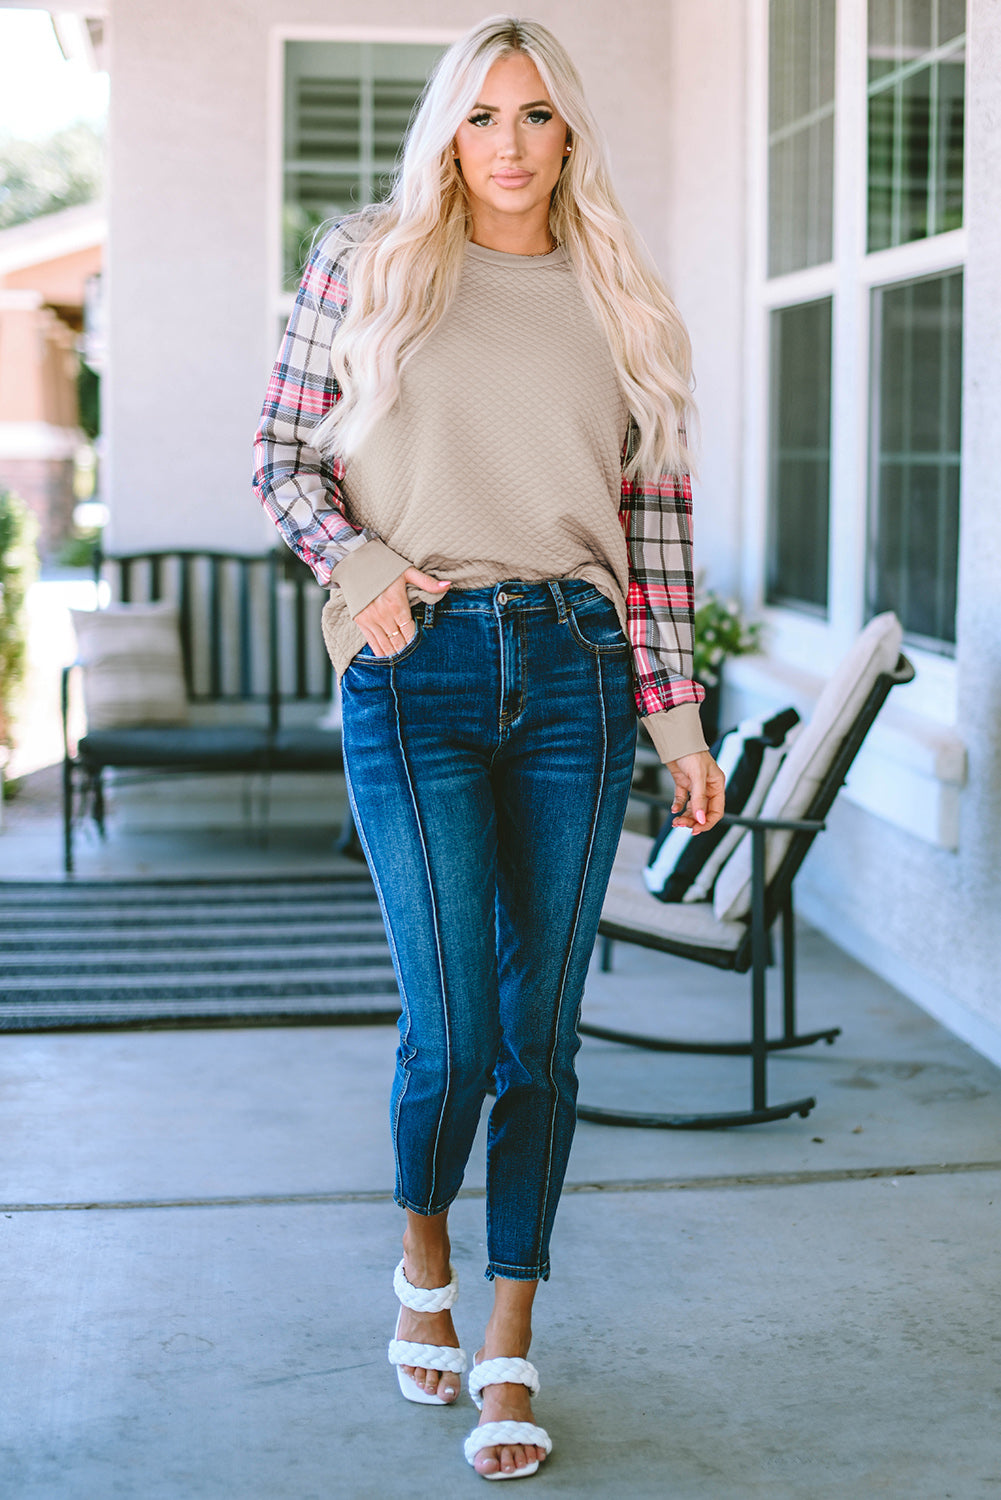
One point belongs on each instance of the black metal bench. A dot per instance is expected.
(251, 648)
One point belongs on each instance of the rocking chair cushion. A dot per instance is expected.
(682, 867)
(875, 652)
(628, 905)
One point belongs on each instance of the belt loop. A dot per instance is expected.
(428, 614)
(561, 604)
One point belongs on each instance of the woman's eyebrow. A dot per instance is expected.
(493, 109)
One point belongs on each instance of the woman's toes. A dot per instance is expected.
(448, 1388)
(489, 1460)
(431, 1378)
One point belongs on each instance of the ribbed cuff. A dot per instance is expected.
(362, 575)
(676, 732)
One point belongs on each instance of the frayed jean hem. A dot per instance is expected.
(517, 1273)
(419, 1208)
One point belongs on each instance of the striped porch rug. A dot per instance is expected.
(263, 952)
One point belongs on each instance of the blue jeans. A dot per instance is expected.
(488, 767)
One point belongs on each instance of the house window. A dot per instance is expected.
(917, 358)
(800, 134)
(801, 454)
(916, 95)
(347, 107)
(862, 322)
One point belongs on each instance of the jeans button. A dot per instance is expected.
(502, 598)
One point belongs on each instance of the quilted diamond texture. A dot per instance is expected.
(501, 458)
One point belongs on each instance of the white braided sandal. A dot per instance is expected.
(423, 1356)
(505, 1434)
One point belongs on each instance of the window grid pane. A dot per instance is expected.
(800, 134)
(800, 455)
(347, 107)
(914, 501)
(916, 103)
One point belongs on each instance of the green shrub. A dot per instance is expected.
(720, 631)
(88, 391)
(18, 567)
(78, 550)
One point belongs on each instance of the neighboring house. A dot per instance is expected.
(48, 269)
(820, 182)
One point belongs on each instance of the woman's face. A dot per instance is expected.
(511, 147)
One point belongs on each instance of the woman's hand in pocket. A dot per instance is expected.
(387, 623)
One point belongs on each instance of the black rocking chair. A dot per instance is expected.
(632, 915)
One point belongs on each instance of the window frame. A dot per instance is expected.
(278, 302)
(798, 638)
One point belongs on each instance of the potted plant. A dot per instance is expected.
(720, 632)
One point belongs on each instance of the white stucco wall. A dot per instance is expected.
(703, 215)
(190, 340)
(928, 918)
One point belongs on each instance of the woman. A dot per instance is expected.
(475, 434)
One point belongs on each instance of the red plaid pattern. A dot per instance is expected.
(656, 517)
(301, 491)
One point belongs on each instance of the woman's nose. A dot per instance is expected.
(509, 144)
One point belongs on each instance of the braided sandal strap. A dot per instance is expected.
(427, 1356)
(425, 1299)
(501, 1371)
(505, 1435)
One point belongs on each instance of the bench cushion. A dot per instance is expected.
(133, 672)
(226, 748)
(306, 749)
(629, 904)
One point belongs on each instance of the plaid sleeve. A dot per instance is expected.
(657, 520)
(298, 486)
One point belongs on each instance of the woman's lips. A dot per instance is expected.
(512, 179)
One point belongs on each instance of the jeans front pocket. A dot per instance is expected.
(367, 657)
(594, 625)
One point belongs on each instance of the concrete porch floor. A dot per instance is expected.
(198, 1241)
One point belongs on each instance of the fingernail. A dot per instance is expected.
(700, 816)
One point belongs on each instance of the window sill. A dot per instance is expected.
(910, 771)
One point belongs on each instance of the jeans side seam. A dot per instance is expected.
(432, 895)
(570, 944)
(394, 951)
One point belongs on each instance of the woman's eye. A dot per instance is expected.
(539, 116)
(479, 119)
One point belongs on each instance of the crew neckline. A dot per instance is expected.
(555, 257)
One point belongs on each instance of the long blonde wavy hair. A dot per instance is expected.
(406, 257)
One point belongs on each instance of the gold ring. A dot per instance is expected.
(394, 632)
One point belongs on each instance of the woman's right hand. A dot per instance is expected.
(387, 623)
